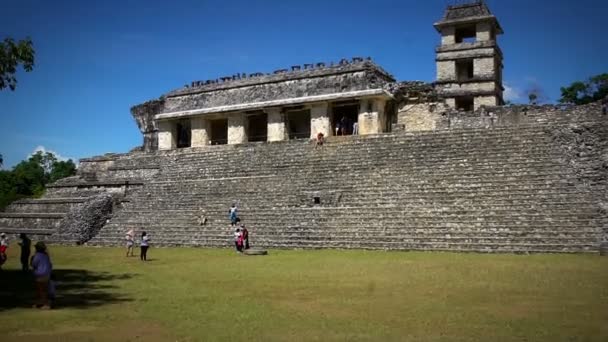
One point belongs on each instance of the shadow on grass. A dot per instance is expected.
(74, 289)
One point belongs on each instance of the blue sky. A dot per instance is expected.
(96, 59)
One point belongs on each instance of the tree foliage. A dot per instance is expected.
(13, 54)
(594, 89)
(29, 177)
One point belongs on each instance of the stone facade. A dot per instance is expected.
(421, 175)
(469, 61)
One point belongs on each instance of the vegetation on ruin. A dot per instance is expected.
(12, 55)
(594, 89)
(29, 177)
(192, 294)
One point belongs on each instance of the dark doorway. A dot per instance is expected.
(184, 133)
(298, 123)
(258, 127)
(464, 103)
(466, 34)
(344, 116)
(219, 131)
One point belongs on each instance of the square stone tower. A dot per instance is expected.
(469, 61)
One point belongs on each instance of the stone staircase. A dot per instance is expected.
(41, 218)
(486, 190)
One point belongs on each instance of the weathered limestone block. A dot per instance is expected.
(200, 132)
(446, 70)
(420, 116)
(484, 67)
(276, 125)
(479, 101)
(166, 135)
(371, 116)
(448, 35)
(319, 120)
(144, 117)
(450, 102)
(484, 31)
(237, 128)
(467, 53)
(461, 89)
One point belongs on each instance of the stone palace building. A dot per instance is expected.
(406, 165)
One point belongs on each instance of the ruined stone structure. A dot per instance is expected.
(421, 174)
(287, 104)
(469, 61)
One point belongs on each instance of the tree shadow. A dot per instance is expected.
(75, 288)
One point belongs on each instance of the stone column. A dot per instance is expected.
(372, 117)
(200, 132)
(237, 128)
(319, 120)
(166, 135)
(277, 130)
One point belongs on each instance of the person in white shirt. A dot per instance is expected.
(130, 242)
(238, 240)
(145, 243)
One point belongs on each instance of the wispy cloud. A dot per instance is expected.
(59, 156)
(512, 94)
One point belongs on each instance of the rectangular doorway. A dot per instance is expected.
(183, 130)
(344, 116)
(258, 127)
(298, 124)
(219, 131)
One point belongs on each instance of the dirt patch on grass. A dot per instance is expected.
(133, 331)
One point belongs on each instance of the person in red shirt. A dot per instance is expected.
(245, 236)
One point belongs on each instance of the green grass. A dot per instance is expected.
(211, 294)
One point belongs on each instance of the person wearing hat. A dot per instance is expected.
(3, 248)
(42, 266)
(130, 242)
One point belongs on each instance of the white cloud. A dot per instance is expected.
(512, 94)
(59, 157)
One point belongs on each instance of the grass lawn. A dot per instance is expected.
(186, 294)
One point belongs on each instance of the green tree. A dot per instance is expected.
(30, 177)
(594, 89)
(62, 169)
(13, 54)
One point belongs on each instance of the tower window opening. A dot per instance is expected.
(464, 70)
(464, 103)
(466, 34)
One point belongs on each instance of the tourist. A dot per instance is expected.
(232, 214)
(320, 139)
(245, 234)
(42, 266)
(238, 240)
(355, 128)
(144, 245)
(344, 126)
(26, 246)
(202, 219)
(3, 248)
(130, 242)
